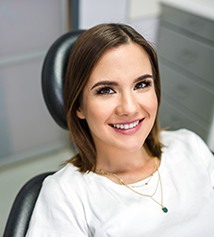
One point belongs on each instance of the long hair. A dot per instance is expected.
(86, 52)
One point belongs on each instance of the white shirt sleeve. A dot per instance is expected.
(58, 212)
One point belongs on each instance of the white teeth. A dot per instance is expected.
(126, 126)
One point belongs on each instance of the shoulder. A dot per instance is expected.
(66, 174)
(168, 135)
(67, 182)
(182, 137)
(186, 144)
(59, 207)
(64, 190)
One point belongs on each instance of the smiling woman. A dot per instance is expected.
(120, 101)
(128, 178)
(122, 66)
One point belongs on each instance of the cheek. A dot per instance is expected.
(96, 112)
(151, 103)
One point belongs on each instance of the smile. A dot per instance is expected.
(126, 126)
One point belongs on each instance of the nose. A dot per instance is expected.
(127, 105)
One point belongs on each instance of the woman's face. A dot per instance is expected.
(119, 100)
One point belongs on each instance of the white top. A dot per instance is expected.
(75, 204)
(204, 8)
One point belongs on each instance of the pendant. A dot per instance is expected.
(164, 209)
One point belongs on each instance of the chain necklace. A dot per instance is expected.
(131, 188)
(149, 178)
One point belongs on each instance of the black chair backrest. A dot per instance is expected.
(53, 73)
(20, 214)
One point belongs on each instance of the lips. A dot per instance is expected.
(126, 126)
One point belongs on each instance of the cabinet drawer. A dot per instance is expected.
(188, 21)
(191, 55)
(171, 118)
(188, 93)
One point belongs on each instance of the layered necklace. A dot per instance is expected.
(133, 188)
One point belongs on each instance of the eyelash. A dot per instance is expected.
(106, 90)
(143, 84)
(103, 91)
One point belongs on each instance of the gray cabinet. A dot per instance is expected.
(186, 57)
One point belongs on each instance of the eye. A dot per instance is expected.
(143, 84)
(105, 91)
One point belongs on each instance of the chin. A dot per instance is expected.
(131, 148)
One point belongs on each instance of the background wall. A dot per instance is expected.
(27, 30)
(141, 14)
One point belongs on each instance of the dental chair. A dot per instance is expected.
(53, 72)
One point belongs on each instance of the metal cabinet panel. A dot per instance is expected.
(171, 117)
(189, 54)
(186, 55)
(188, 21)
(188, 93)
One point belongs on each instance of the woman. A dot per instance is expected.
(128, 177)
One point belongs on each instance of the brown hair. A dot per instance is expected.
(86, 52)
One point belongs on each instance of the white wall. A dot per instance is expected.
(143, 15)
(28, 28)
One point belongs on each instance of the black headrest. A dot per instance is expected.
(53, 73)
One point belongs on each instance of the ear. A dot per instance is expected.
(80, 114)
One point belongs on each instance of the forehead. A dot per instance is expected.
(128, 60)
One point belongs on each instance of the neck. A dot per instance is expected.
(130, 166)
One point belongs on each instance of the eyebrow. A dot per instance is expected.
(113, 83)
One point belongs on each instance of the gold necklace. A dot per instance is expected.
(149, 177)
(151, 196)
